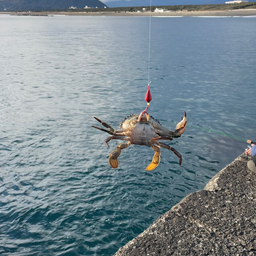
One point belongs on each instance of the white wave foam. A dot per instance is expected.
(168, 16)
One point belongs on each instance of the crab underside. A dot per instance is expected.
(147, 131)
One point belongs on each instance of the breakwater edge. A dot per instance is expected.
(218, 220)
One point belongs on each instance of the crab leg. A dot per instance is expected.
(104, 130)
(116, 153)
(161, 138)
(156, 158)
(117, 133)
(173, 150)
(105, 124)
(120, 133)
(114, 137)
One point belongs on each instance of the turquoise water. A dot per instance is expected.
(58, 195)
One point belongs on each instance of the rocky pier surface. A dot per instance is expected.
(219, 220)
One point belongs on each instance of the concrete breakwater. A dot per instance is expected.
(219, 220)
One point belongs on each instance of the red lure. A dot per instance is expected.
(148, 96)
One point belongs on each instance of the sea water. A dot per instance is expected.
(58, 194)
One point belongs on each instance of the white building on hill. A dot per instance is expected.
(235, 2)
(160, 10)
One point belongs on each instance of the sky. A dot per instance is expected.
(127, 3)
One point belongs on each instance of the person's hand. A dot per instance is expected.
(248, 151)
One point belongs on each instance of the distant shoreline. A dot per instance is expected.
(230, 13)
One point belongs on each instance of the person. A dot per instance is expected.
(252, 152)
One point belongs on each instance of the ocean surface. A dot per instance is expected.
(58, 194)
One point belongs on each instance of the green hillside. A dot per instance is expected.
(32, 5)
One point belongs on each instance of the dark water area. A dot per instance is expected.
(58, 194)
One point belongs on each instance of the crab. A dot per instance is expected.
(142, 130)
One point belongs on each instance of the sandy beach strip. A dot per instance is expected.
(228, 13)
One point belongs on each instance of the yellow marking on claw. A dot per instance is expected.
(155, 162)
(151, 167)
(113, 162)
(148, 117)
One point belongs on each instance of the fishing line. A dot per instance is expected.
(217, 132)
(148, 96)
(149, 42)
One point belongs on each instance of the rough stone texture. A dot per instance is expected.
(219, 220)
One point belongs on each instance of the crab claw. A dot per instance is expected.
(113, 158)
(155, 161)
(181, 126)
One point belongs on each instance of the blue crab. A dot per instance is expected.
(146, 131)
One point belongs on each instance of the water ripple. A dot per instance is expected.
(58, 195)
